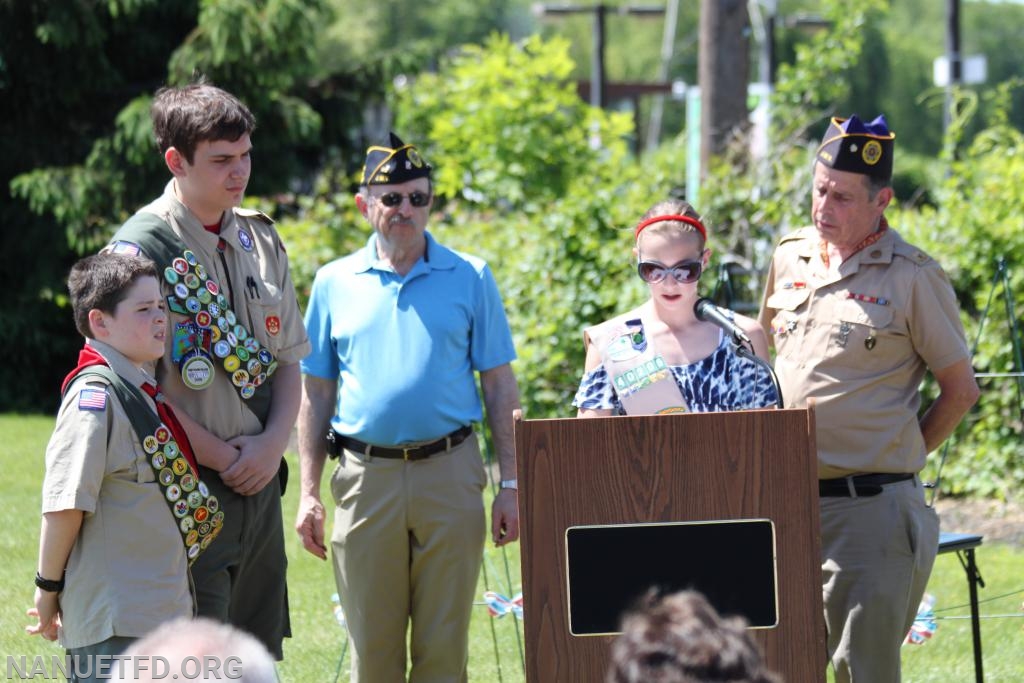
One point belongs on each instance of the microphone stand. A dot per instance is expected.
(743, 352)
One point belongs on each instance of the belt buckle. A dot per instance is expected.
(405, 453)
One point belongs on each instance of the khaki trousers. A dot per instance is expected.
(877, 555)
(408, 540)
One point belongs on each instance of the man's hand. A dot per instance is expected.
(47, 614)
(309, 522)
(505, 517)
(258, 461)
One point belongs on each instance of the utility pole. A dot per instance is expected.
(723, 73)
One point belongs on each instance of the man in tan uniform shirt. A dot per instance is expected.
(858, 316)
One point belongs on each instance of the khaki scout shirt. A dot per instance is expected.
(858, 342)
(127, 572)
(252, 272)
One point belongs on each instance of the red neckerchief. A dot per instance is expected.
(86, 357)
(883, 225)
(89, 356)
(171, 420)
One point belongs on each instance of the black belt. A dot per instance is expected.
(336, 443)
(860, 485)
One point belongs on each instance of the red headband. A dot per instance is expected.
(672, 217)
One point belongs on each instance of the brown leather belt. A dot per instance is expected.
(860, 485)
(336, 443)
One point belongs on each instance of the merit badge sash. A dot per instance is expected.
(641, 379)
(196, 512)
(212, 336)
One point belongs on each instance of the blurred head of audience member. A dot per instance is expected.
(680, 638)
(199, 649)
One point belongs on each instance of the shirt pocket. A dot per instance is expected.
(861, 334)
(785, 303)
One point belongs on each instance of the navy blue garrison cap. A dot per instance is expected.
(395, 164)
(858, 147)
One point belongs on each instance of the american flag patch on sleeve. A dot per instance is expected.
(121, 247)
(92, 399)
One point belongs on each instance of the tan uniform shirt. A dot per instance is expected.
(858, 342)
(252, 272)
(127, 572)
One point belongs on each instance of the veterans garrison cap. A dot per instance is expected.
(858, 147)
(395, 164)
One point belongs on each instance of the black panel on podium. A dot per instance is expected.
(611, 566)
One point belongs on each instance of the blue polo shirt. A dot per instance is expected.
(404, 349)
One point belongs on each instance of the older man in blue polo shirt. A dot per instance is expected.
(398, 329)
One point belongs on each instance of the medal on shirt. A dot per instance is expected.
(196, 370)
(191, 351)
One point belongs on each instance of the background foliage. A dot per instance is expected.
(530, 177)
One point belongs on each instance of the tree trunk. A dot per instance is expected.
(723, 73)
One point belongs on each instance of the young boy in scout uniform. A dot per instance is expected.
(858, 316)
(234, 341)
(119, 524)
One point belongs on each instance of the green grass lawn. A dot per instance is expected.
(313, 652)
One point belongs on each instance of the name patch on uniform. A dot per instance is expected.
(92, 399)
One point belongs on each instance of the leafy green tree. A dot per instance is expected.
(66, 68)
(975, 225)
(79, 156)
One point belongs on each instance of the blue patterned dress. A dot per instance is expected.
(721, 382)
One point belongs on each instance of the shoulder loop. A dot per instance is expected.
(909, 251)
(799, 234)
(253, 213)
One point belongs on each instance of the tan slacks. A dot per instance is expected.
(877, 555)
(408, 540)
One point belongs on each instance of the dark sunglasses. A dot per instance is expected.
(393, 199)
(684, 272)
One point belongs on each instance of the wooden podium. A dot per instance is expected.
(668, 468)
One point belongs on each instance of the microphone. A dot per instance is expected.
(707, 311)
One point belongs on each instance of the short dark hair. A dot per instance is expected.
(876, 185)
(201, 112)
(102, 281)
(680, 638)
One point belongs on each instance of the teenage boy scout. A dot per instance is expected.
(857, 316)
(234, 340)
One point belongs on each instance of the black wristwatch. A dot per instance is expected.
(48, 585)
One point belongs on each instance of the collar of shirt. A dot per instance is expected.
(191, 224)
(883, 228)
(435, 257)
